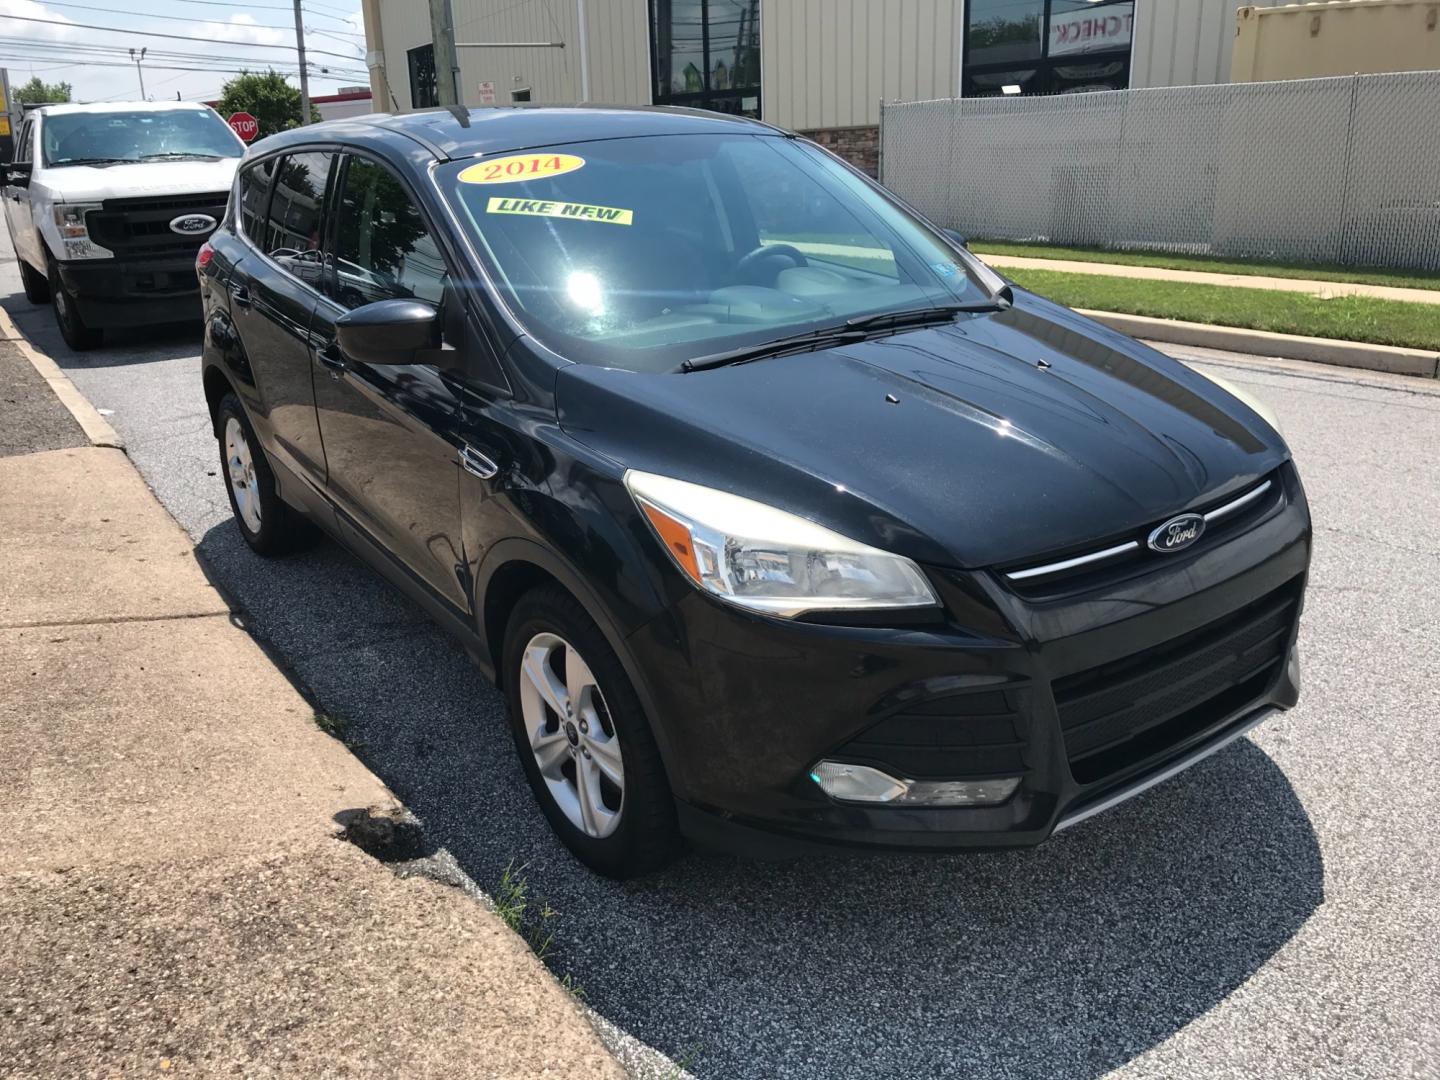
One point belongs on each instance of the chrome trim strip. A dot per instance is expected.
(1148, 782)
(1244, 500)
(1069, 564)
(477, 463)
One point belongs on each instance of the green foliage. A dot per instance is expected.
(1215, 264)
(273, 102)
(1347, 318)
(39, 92)
(514, 906)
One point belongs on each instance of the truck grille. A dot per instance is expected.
(1124, 712)
(141, 226)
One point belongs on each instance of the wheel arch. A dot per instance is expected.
(217, 384)
(513, 568)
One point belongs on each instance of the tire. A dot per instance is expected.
(67, 315)
(37, 286)
(633, 830)
(268, 524)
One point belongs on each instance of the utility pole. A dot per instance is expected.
(447, 60)
(304, 75)
(141, 73)
(585, 51)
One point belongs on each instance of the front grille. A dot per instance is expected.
(142, 226)
(1125, 712)
(966, 735)
(1117, 557)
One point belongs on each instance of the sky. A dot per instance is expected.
(42, 37)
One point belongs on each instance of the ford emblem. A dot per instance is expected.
(1177, 534)
(192, 224)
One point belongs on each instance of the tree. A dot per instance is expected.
(273, 102)
(37, 92)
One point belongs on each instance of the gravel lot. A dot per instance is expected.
(1272, 912)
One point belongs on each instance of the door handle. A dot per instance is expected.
(477, 463)
(239, 294)
(329, 354)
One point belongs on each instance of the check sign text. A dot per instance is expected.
(545, 208)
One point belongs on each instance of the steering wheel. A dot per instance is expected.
(749, 262)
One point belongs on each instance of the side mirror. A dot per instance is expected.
(17, 173)
(388, 332)
(955, 236)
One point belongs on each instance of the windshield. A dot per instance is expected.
(149, 135)
(643, 253)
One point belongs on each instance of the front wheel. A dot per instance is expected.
(37, 287)
(583, 739)
(67, 315)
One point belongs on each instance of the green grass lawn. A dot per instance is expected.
(1403, 279)
(1350, 318)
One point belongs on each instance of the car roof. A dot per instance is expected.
(122, 106)
(461, 133)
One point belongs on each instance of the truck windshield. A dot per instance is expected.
(143, 135)
(644, 253)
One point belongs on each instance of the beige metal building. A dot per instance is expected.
(819, 66)
(1342, 37)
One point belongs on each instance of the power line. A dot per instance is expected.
(176, 18)
(158, 34)
(49, 51)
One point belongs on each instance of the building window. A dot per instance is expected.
(706, 54)
(424, 90)
(1047, 46)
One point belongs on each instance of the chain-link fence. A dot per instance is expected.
(1327, 170)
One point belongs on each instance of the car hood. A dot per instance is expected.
(96, 183)
(1004, 437)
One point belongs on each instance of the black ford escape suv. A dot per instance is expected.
(779, 519)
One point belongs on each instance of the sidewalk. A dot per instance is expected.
(1325, 290)
(173, 892)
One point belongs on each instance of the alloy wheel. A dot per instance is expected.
(240, 464)
(572, 735)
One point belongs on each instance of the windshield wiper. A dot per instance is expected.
(930, 316)
(94, 161)
(857, 329)
(180, 155)
(814, 339)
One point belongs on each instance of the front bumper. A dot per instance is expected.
(1056, 691)
(133, 291)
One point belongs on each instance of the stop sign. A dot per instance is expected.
(244, 125)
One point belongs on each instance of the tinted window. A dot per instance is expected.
(254, 192)
(293, 236)
(151, 135)
(383, 250)
(424, 92)
(27, 142)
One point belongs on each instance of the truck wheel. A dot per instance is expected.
(72, 327)
(37, 288)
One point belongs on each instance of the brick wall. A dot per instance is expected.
(858, 145)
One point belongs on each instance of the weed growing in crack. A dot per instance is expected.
(332, 724)
(513, 904)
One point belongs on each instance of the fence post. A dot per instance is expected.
(880, 145)
(1343, 255)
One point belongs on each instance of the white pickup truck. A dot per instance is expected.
(108, 204)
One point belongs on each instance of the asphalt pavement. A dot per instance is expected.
(1271, 912)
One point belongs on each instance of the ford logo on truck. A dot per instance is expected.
(192, 224)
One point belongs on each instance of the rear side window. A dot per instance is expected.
(254, 192)
(383, 250)
(297, 207)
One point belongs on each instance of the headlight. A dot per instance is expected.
(70, 219)
(1256, 405)
(764, 559)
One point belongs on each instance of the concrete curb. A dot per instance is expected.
(97, 429)
(1351, 354)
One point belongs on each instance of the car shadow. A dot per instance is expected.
(1065, 961)
(122, 347)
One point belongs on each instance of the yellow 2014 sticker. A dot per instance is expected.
(573, 210)
(518, 167)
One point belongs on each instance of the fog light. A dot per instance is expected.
(857, 783)
(863, 784)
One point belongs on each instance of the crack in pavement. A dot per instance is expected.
(112, 619)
